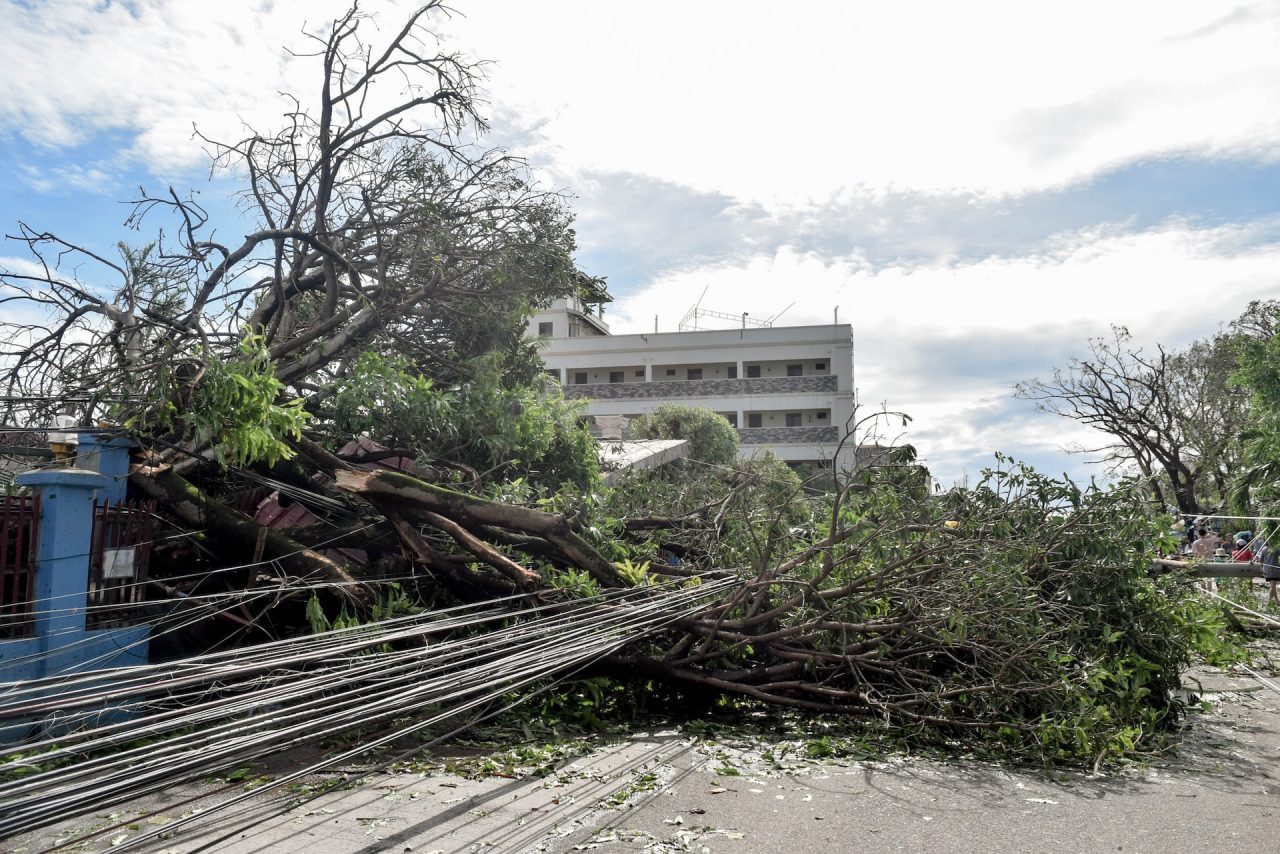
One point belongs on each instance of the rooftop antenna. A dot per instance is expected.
(779, 314)
(689, 323)
(692, 313)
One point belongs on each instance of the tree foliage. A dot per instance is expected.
(1256, 485)
(1019, 615)
(499, 430)
(238, 411)
(381, 289)
(711, 438)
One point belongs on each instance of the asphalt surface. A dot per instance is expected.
(669, 791)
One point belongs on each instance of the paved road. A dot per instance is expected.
(667, 791)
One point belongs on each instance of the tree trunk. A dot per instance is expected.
(237, 535)
(420, 499)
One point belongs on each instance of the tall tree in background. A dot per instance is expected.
(1173, 416)
(1256, 486)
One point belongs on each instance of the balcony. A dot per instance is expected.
(788, 435)
(665, 390)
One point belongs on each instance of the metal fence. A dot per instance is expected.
(19, 536)
(119, 554)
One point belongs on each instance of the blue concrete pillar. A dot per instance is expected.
(62, 575)
(62, 578)
(109, 456)
(61, 643)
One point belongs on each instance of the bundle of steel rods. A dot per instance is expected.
(167, 616)
(105, 737)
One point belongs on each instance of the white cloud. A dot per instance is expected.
(152, 70)
(762, 100)
(89, 178)
(1144, 279)
(755, 99)
(939, 340)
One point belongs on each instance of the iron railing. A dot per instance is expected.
(19, 537)
(119, 555)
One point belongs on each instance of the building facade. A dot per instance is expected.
(786, 389)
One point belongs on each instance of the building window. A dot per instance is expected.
(695, 373)
(615, 376)
(795, 370)
(732, 418)
(573, 330)
(753, 371)
(671, 372)
(580, 378)
(639, 375)
(733, 372)
(819, 366)
(822, 416)
(544, 329)
(755, 420)
(554, 373)
(793, 419)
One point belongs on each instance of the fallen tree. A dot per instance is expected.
(1020, 613)
(379, 301)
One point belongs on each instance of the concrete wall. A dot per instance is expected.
(564, 313)
(712, 351)
(778, 367)
(808, 417)
(710, 371)
(600, 376)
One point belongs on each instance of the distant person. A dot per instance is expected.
(1242, 553)
(1205, 548)
(1205, 545)
(1270, 561)
(1188, 534)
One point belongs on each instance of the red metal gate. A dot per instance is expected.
(19, 534)
(118, 558)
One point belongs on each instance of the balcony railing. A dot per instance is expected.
(664, 389)
(788, 435)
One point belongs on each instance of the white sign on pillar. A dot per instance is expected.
(117, 563)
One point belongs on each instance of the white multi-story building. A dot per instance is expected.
(787, 389)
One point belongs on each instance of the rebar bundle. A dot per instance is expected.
(101, 738)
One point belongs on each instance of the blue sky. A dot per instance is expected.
(979, 187)
(964, 226)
